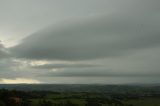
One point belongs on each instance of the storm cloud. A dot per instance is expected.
(3, 52)
(97, 72)
(77, 40)
(83, 39)
(61, 66)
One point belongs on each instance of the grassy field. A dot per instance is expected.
(69, 96)
(145, 102)
(81, 100)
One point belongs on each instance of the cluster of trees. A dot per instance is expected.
(21, 98)
(107, 101)
(89, 102)
(12, 98)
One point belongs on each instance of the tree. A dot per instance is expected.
(2, 103)
(45, 103)
(26, 103)
(69, 103)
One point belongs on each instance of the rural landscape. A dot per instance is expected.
(79, 95)
(79, 52)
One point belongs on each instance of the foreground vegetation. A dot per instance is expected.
(50, 98)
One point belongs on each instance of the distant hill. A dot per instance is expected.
(82, 88)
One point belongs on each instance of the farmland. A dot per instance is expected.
(79, 95)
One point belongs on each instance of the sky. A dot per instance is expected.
(79, 41)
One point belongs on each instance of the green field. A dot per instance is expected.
(80, 95)
(145, 102)
(78, 99)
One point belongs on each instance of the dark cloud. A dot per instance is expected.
(59, 66)
(97, 40)
(3, 52)
(90, 39)
(97, 72)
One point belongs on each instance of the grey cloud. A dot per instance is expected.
(59, 66)
(122, 36)
(100, 80)
(8, 65)
(3, 52)
(10, 68)
(98, 72)
(19, 18)
(84, 39)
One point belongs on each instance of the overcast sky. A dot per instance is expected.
(80, 41)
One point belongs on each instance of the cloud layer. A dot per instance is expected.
(86, 40)
(90, 39)
(3, 52)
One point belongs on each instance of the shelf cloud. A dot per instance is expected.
(98, 38)
(79, 38)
